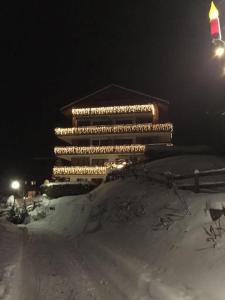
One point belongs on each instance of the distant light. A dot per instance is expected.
(120, 166)
(219, 51)
(213, 13)
(15, 185)
(153, 109)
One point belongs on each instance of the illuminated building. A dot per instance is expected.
(110, 127)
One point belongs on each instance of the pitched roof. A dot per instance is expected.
(113, 95)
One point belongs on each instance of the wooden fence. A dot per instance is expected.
(172, 179)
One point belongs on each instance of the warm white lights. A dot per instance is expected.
(120, 129)
(71, 150)
(133, 129)
(219, 51)
(86, 170)
(115, 165)
(80, 170)
(114, 110)
(15, 185)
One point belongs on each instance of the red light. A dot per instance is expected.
(215, 29)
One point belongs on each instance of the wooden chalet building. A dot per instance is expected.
(110, 127)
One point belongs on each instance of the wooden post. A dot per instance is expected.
(196, 177)
(74, 122)
(169, 177)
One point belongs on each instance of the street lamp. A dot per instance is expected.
(15, 185)
(219, 51)
(219, 48)
(18, 186)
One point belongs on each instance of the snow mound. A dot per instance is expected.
(169, 231)
(154, 243)
(64, 215)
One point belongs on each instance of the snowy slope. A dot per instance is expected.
(152, 244)
(64, 215)
(169, 241)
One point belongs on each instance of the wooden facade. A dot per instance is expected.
(109, 128)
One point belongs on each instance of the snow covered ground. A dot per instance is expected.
(10, 257)
(129, 239)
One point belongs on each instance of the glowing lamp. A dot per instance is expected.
(219, 51)
(15, 185)
(121, 166)
(214, 22)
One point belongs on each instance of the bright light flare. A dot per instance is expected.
(120, 166)
(15, 185)
(219, 51)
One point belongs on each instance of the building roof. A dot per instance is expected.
(112, 95)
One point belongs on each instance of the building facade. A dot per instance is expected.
(110, 128)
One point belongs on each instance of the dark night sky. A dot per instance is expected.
(55, 52)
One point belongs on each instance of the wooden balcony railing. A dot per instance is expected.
(71, 150)
(114, 129)
(80, 170)
(111, 110)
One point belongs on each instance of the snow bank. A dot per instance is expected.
(64, 215)
(179, 252)
(154, 243)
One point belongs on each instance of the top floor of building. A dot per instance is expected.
(114, 105)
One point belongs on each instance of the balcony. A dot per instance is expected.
(83, 170)
(114, 129)
(122, 149)
(112, 110)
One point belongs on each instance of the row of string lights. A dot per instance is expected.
(100, 149)
(114, 110)
(109, 129)
(80, 170)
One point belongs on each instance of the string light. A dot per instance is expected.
(113, 129)
(115, 164)
(100, 149)
(80, 170)
(114, 110)
(85, 170)
(107, 130)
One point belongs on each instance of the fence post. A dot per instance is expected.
(169, 177)
(196, 177)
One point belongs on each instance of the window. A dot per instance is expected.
(99, 161)
(81, 161)
(123, 142)
(102, 122)
(81, 142)
(81, 123)
(124, 122)
(144, 120)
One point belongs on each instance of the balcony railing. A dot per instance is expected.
(115, 129)
(83, 170)
(110, 110)
(71, 150)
